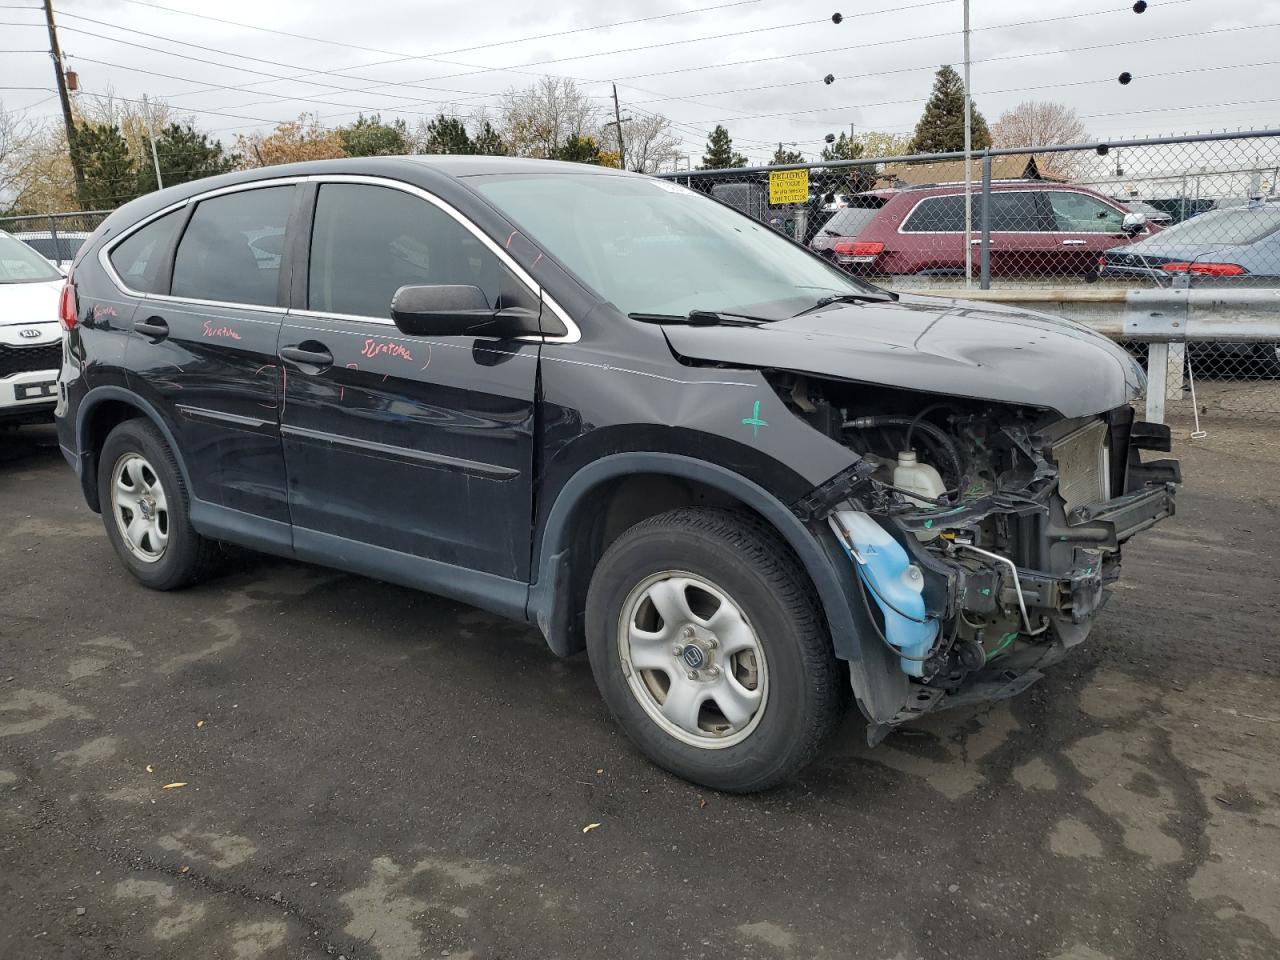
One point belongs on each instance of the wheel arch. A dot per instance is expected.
(588, 512)
(101, 411)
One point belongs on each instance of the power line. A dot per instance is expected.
(402, 57)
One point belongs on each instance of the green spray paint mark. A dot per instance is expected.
(928, 524)
(985, 591)
(754, 421)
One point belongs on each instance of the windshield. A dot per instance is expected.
(654, 247)
(20, 264)
(1231, 227)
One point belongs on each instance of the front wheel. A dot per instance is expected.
(708, 646)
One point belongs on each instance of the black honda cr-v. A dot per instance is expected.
(745, 482)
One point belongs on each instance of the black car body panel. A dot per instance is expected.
(496, 470)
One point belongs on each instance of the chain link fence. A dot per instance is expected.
(1169, 241)
(55, 236)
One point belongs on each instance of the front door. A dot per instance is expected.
(419, 446)
(203, 346)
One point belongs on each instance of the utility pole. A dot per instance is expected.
(968, 165)
(151, 136)
(56, 53)
(618, 121)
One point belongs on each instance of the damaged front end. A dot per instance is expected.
(981, 538)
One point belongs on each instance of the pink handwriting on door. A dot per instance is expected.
(373, 348)
(225, 333)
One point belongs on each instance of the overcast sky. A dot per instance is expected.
(1195, 62)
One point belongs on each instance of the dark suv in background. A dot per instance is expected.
(748, 484)
(1037, 228)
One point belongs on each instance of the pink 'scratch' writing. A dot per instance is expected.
(225, 332)
(100, 311)
(374, 348)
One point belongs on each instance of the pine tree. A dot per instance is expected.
(578, 150)
(786, 156)
(844, 148)
(941, 127)
(720, 153)
(488, 142)
(185, 154)
(447, 134)
(110, 177)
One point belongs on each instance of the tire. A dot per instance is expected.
(138, 478)
(762, 667)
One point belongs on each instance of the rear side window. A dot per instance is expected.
(936, 215)
(1014, 211)
(137, 258)
(851, 221)
(232, 248)
(369, 241)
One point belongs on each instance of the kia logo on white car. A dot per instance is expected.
(30, 333)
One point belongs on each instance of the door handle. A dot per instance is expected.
(1073, 243)
(308, 353)
(153, 327)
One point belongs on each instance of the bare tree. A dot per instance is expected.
(545, 115)
(35, 167)
(649, 141)
(1040, 123)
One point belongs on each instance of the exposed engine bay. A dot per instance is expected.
(982, 537)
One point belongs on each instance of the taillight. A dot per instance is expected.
(861, 251)
(68, 305)
(1205, 269)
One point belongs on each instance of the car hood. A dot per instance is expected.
(22, 304)
(956, 348)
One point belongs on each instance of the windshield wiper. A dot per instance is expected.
(702, 318)
(883, 296)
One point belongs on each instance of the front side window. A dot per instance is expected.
(936, 215)
(369, 241)
(1081, 213)
(137, 258)
(20, 264)
(649, 246)
(232, 248)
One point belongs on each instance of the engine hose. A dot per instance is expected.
(915, 423)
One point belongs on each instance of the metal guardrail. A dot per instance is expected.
(1164, 320)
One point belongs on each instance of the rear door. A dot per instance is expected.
(421, 446)
(203, 348)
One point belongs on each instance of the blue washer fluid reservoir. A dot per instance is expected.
(894, 582)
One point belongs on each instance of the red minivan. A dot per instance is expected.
(1037, 228)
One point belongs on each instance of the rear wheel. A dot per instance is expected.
(710, 650)
(145, 509)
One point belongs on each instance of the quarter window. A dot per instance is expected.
(232, 248)
(137, 259)
(369, 241)
(1081, 213)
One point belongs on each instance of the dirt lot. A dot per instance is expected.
(375, 773)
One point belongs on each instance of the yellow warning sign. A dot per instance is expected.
(788, 186)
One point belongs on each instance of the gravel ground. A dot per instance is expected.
(371, 772)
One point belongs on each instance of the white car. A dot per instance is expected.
(30, 336)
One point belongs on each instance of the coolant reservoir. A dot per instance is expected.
(919, 478)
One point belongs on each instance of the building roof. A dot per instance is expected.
(1004, 167)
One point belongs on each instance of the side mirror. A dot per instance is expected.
(1133, 223)
(457, 310)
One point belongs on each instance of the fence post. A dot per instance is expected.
(984, 280)
(1157, 379)
(57, 247)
